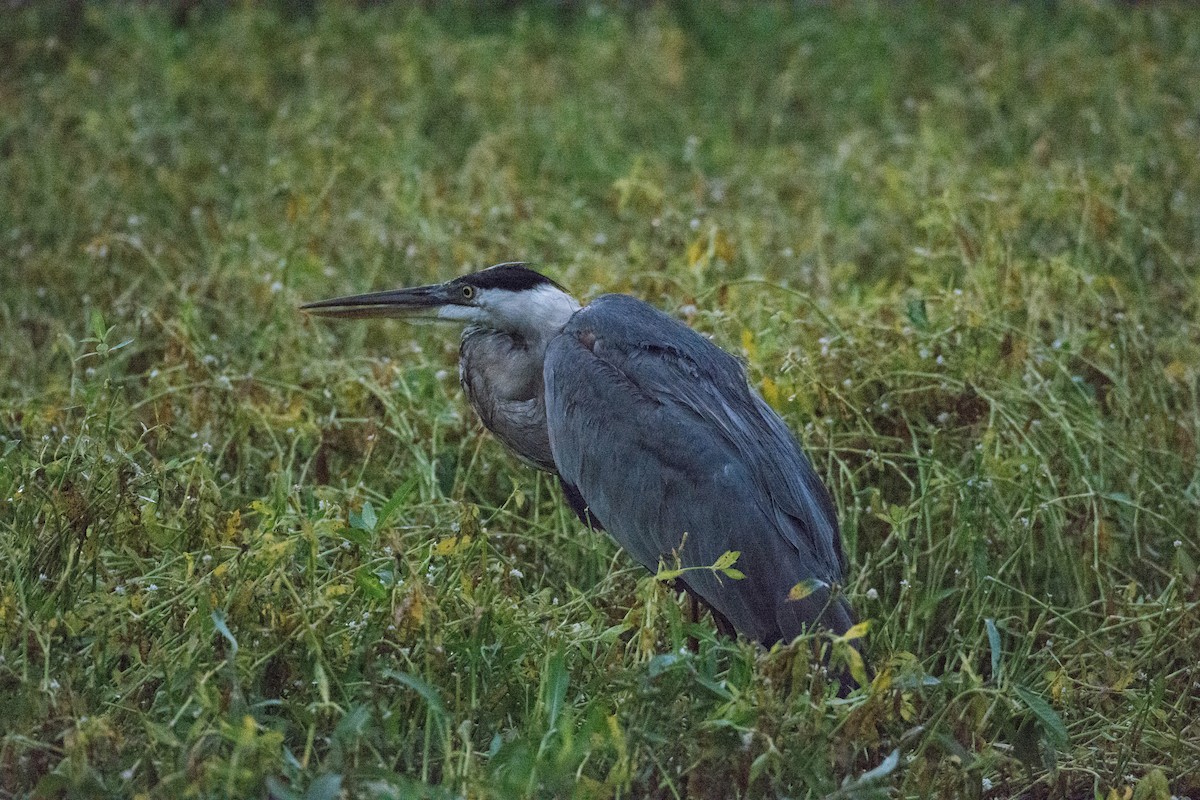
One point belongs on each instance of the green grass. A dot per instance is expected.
(959, 250)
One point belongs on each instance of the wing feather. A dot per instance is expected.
(660, 433)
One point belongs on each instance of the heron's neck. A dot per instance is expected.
(537, 316)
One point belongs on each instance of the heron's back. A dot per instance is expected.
(672, 450)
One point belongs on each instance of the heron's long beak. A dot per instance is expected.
(420, 302)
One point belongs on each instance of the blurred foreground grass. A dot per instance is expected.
(241, 551)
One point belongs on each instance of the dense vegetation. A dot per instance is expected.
(243, 551)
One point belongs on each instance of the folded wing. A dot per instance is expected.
(668, 446)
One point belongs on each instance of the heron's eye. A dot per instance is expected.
(468, 292)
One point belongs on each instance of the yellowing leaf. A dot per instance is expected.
(770, 391)
(804, 588)
(1152, 786)
(234, 523)
(1176, 371)
(710, 247)
(410, 612)
(856, 631)
(748, 346)
(858, 667)
(451, 545)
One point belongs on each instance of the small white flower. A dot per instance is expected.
(872, 594)
(127, 774)
(1178, 543)
(516, 573)
(152, 587)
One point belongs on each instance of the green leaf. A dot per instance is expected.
(994, 642)
(760, 763)
(1051, 724)
(218, 618)
(322, 679)
(661, 663)
(427, 693)
(1152, 786)
(281, 790)
(351, 726)
(402, 493)
(325, 787)
(727, 560)
(917, 314)
(364, 520)
(370, 583)
(555, 685)
(885, 768)
(97, 324)
(358, 535)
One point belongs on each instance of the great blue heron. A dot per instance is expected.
(654, 434)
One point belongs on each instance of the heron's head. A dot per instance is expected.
(507, 297)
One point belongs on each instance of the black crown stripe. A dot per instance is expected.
(513, 277)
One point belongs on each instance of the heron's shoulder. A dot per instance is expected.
(624, 318)
(624, 324)
(618, 311)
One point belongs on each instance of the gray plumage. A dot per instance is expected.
(655, 435)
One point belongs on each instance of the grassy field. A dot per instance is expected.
(242, 551)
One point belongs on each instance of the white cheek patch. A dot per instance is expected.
(543, 308)
(455, 313)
